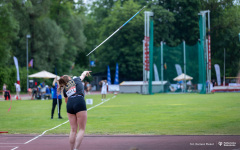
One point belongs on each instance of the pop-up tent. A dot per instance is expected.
(182, 77)
(43, 74)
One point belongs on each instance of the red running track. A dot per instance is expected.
(123, 142)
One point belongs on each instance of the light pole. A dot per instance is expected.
(28, 36)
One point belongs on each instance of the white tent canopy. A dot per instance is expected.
(43, 74)
(182, 77)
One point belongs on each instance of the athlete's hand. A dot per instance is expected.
(87, 73)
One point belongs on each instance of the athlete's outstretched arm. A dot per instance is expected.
(84, 74)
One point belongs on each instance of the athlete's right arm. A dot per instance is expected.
(84, 74)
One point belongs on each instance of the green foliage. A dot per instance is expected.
(225, 26)
(64, 31)
(9, 28)
(163, 26)
(73, 27)
(126, 45)
(8, 75)
(49, 44)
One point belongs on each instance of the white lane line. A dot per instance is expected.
(12, 143)
(65, 122)
(14, 147)
(45, 132)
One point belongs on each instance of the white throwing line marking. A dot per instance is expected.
(15, 147)
(11, 143)
(65, 122)
(45, 132)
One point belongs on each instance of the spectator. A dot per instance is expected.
(104, 85)
(29, 91)
(89, 87)
(47, 93)
(34, 93)
(4, 89)
(18, 90)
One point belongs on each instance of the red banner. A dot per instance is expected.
(209, 52)
(146, 45)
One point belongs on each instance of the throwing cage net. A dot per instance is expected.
(170, 62)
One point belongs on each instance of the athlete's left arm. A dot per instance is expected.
(66, 99)
(84, 74)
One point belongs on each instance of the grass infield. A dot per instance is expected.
(158, 114)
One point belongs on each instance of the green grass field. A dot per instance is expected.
(158, 114)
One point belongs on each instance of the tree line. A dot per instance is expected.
(63, 32)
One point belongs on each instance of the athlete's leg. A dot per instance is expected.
(73, 123)
(60, 104)
(81, 121)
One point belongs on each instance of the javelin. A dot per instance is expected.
(116, 31)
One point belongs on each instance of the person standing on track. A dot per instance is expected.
(76, 107)
(104, 89)
(18, 90)
(57, 99)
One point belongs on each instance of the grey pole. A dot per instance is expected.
(28, 36)
(224, 69)
(162, 65)
(209, 41)
(184, 59)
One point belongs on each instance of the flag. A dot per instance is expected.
(156, 73)
(165, 66)
(73, 65)
(217, 69)
(92, 63)
(116, 81)
(30, 64)
(179, 69)
(108, 76)
(16, 64)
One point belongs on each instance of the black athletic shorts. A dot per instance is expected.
(76, 104)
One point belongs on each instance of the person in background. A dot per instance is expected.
(39, 92)
(34, 93)
(55, 97)
(89, 87)
(29, 91)
(4, 89)
(18, 90)
(85, 86)
(47, 94)
(214, 82)
(43, 90)
(104, 89)
(238, 79)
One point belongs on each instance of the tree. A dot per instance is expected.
(163, 26)
(9, 28)
(49, 42)
(225, 24)
(185, 25)
(125, 47)
(72, 24)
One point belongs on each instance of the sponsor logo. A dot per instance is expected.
(227, 143)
